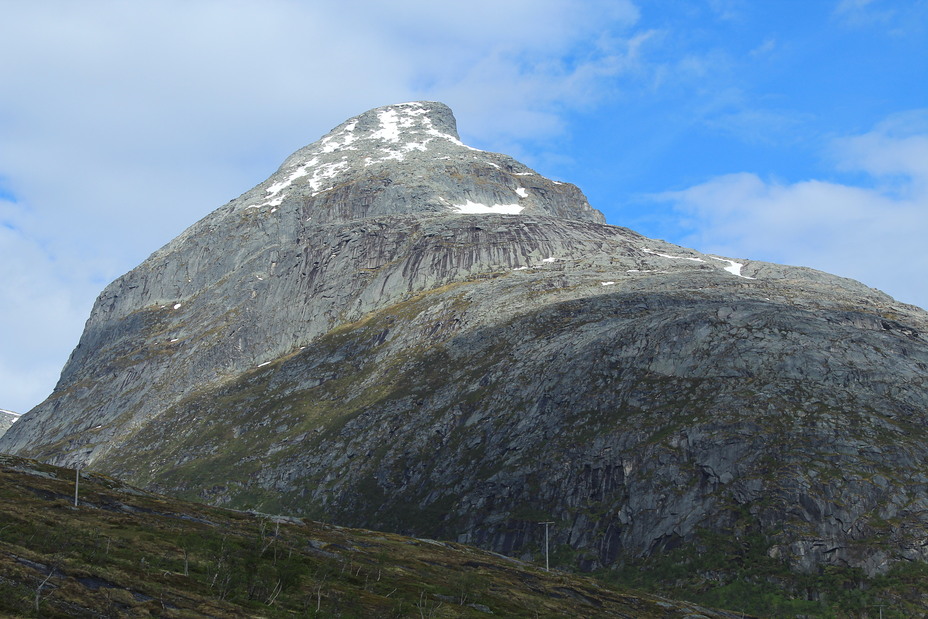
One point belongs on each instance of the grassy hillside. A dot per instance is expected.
(126, 553)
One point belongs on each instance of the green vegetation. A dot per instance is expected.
(126, 553)
(347, 394)
(736, 572)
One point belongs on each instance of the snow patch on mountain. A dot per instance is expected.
(7, 419)
(389, 126)
(733, 267)
(342, 140)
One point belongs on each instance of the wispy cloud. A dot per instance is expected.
(757, 125)
(768, 46)
(897, 18)
(895, 154)
(873, 231)
(852, 6)
(42, 308)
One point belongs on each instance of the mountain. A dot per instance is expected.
(7, 419)
(401, 332)
(127, 553)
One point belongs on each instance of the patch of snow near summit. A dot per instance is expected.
(327, 171)
(412, 112)
(389, 126)
(331, 144)
(475, 208)
(281, 185)
(522, 191)
(406, 128)
(446, 136)
(733, 267)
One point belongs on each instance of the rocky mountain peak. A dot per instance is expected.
(383, 134)
(408, 159)
(407, 125)
(401, 332)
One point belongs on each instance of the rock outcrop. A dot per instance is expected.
(7, 419)
(398, 331)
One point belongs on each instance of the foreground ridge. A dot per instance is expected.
(128, 552)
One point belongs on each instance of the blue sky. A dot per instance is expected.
(784, 130)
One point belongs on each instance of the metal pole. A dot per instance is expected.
(547, 568)
(77, 481)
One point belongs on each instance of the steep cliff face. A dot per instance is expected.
(332, 235)
(397, 331)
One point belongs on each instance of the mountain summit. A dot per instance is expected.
(398, 331)
(407, 159)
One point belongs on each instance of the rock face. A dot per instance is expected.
(7, 419)
(397, 331)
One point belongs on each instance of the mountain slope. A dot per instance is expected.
(397, 331)
(123, 552)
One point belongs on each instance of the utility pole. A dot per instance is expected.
(77, 481)
(547, 568)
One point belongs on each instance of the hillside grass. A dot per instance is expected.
(126, 553)
(737, 572)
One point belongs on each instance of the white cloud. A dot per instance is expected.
(895, 152)
(41, 310)
(873, 231)
(124, 122)
(848, 6)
